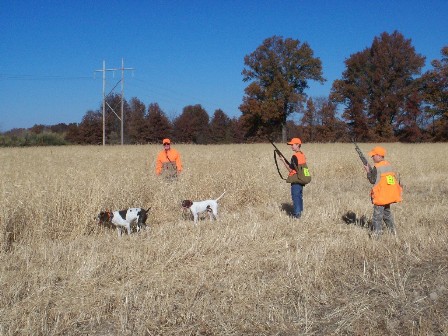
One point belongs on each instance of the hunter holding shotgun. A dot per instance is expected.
(386, 189)
(298, 175)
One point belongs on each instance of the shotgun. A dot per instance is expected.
(276, 150)
(361, 156)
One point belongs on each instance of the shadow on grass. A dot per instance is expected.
(202, 216)
(288, 208)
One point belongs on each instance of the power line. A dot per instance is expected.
(39, 77)
(104, 70)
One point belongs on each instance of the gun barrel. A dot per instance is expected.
(278, 151)
(361, 155)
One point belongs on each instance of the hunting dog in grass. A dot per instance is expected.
(124, 219)
(211, 206)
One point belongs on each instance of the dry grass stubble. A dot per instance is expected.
(254, 271)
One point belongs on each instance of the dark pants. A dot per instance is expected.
(380, 213)
(297, 199)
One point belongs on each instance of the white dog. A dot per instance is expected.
(123, 219)
(211, 206)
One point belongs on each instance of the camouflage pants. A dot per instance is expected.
(380, 213)
(169, 170)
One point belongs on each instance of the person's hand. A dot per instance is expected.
(366, 167)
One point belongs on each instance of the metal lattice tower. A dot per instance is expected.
(104, 70)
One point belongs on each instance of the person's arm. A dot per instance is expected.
(178, 163)
(294, 163)
(291, 164)
(158, 165)
(371, 174)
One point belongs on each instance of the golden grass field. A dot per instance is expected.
(254, 271)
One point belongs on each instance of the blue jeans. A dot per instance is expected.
(297, 199)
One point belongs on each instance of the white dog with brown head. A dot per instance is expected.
(197, 207)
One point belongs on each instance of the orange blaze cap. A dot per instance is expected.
(168, 141)
(295, 141)
(378, 151)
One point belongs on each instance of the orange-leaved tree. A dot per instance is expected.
(278, 72)
(377, 88)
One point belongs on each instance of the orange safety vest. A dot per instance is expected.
(386, 189)
(301, 159)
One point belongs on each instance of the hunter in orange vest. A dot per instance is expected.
(168, 161)
(386, 190)
(298, 159)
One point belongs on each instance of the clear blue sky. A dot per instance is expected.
(183, 52)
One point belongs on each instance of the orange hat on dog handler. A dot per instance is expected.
(378, 151)
(295, 141)
(164, 141)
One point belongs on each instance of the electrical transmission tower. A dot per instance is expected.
(104, 70)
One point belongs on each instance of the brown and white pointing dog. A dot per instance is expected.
(123, 219)
(197, 207)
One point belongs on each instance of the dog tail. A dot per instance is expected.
(220, 196)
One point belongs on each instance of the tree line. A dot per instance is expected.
(382, 96)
